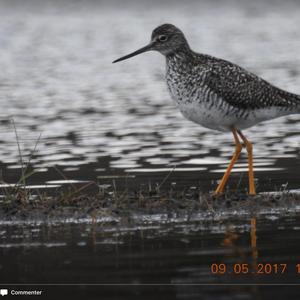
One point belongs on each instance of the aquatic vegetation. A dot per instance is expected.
(90, 200)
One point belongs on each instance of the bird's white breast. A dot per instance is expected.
(202, 114)
(193, 106)
(217, 114)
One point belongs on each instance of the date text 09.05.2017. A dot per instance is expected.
(244, 268)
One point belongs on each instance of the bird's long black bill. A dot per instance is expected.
(142, 50)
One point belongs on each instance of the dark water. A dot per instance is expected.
(79, 117)
(174, 257)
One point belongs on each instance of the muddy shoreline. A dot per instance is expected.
(109, 206)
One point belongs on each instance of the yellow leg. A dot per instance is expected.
(238, 149)
(250, 163)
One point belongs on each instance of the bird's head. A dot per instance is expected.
(165, 39)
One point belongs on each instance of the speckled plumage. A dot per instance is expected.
(221, 95)
(214, 92)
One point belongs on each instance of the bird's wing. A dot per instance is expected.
(245, 90)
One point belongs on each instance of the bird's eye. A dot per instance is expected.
(162, 38)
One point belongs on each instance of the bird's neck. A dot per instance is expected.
(182, 57)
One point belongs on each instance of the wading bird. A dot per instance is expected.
(218, 94)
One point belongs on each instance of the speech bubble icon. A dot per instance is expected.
(3, 292)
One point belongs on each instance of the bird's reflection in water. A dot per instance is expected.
(243, 254)
(253, 237)
(231, 239)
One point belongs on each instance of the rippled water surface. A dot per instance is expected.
(87, 117)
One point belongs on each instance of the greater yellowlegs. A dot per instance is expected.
(218, 94)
